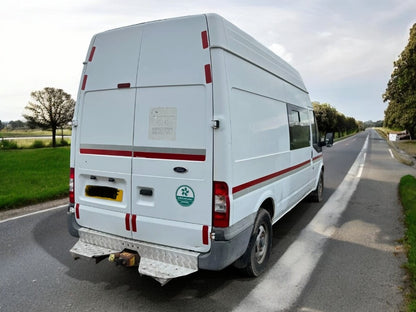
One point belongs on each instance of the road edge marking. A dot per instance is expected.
(33, 213)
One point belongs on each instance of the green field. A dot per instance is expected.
(30, 176)
(4, 133)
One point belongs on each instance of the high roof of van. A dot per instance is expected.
(225, 35)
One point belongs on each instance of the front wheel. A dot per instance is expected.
(318, 194)
(259, 247)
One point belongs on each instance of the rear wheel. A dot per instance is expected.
(258, 251)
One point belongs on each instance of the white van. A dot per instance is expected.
(190, 139)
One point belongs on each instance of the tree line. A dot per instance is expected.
(330, 120)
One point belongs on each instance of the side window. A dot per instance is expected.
(299, 129)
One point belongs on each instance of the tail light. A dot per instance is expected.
(221, 205)
(71, 186)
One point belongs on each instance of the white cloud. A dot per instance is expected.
(281, 51)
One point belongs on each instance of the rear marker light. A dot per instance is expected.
(77, 211)
(123, 85)
(133, 223)
(208, 78)
(127, 221)
(84, 82)
(71, 186)
(204, 37)
(205, 235)
(221, 205)
(91, 54)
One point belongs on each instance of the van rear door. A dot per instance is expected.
(105, 131)
(172, 163)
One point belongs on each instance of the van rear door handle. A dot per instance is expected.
(146, 192)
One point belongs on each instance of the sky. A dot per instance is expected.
(343, 49)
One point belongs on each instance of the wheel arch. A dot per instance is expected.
(269, 206)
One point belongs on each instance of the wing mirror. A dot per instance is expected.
(328, 141)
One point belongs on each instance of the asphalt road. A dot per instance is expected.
(358, 268)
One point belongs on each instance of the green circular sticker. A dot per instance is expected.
(185, 195)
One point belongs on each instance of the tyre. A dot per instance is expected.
(317, 194)
(259, 247)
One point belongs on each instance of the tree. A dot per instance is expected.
(341, 124)
(326, 117)
(52, 109)
(401, 89)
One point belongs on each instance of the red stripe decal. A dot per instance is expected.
(208, 77)
(127, 221)
(91, 54)
(133, 223)
(205, 235)
(316, 157)
(268, 177)
(105, 152)
(204, 36)
(84, 82)
(77, 211)
(170, 156)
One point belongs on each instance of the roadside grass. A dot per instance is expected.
(407, 191)
(38, 142)
(30, 176)
(404, 151)
(408, 146)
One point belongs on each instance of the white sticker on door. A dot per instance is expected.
(162, 123)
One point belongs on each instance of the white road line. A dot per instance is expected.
(285, 281)
(391, 153)
(33, 213)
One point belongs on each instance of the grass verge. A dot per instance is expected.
(32, 176)
(407, 190)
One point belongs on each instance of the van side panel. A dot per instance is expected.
(260, 133)
(261, 85)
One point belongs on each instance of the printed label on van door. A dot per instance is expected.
(162, 123)
(185, 195)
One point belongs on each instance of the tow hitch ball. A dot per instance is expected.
(126, 259)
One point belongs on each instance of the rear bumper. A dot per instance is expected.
(229, 245)
(160, 262)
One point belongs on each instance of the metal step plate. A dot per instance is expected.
(160, 262)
